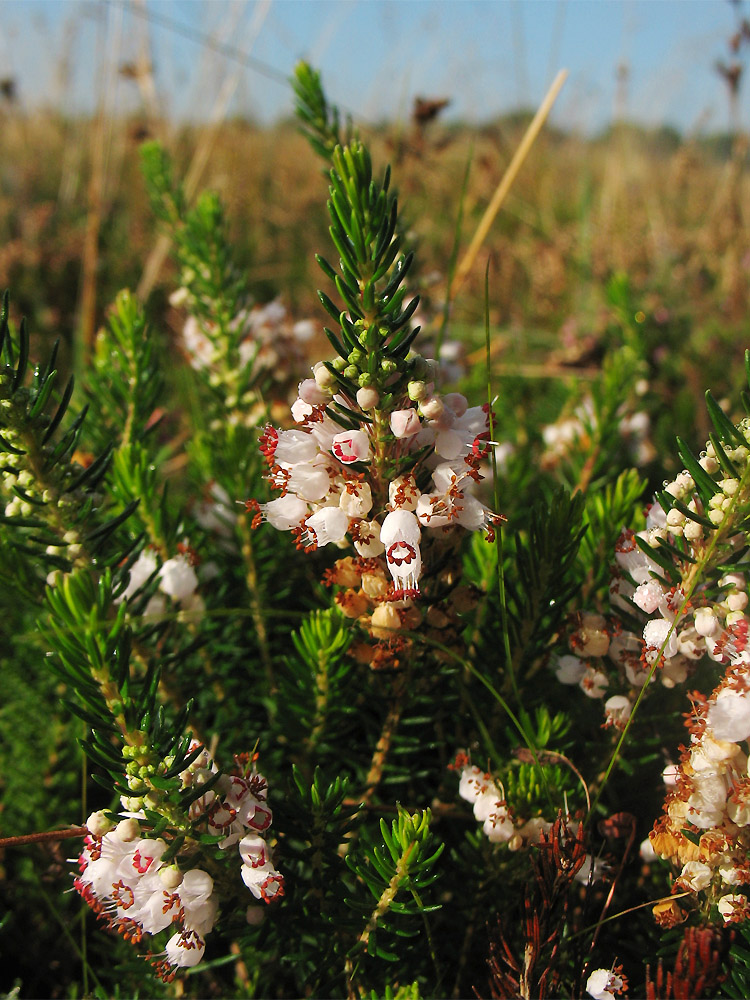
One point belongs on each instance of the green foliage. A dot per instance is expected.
(396, 869)
(319, 120)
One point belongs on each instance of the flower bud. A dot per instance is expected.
(127, 830)
(171, 877)
(97, 824)
(705, 621)
(323, 378)
(432, 408)
(368, 398)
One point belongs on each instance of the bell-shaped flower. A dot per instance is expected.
(143, 568)
(185, 949)
(570, 669)
(658, 633)
(729, 716)
(405, 423)
(351, 446)
(367, 541)
(329, 524)
(594, 682)
(695, 875)
(295, 446)
(403, 493)
(177, 578)
(285, 513)
(309, 481)
(400, 535)
(356, 499)
(618, 709)
(498, 827)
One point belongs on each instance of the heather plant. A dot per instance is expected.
(349, 681)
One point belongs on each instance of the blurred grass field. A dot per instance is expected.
(667, 211)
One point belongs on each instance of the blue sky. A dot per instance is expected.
(377, 55)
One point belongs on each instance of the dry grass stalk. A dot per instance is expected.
(506, 183)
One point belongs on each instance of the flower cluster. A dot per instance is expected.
(706, 823)
(676, 632)
(126, 881)
(260, 339)
(491, 809)
(136, 885)
(572, 434)
(236, 809)
(335, 487)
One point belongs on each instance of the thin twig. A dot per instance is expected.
(40, 838)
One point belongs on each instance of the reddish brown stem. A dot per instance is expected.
(37, 838)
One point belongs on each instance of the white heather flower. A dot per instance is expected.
(310, 392)
(655, 634)
(432, 407)
(603, 984)
(618, 709)
(403, 493)
(405, 423)
(498, 827)
(695, 876)
(367, 542)
(705, 621)
(400, 535)
(385, 620)
(185, 949)
(632, 559)
(356, 499)
(285, 513)
(295, 446)
(669, 775)
(593, 683)
(301, 410)
(451, 503)
(591, 636)
(177, 578)
(198, 902)
(143, 568)
(733, 907)
(471, 782)
(648, 596)
(570, 669)
(487, 803)
(729, 716)
(351, 446)
(647, 852)
(674, 671)
(329, 524)
(309, 481)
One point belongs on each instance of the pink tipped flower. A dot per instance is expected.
(351, 446)
(405, 423)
